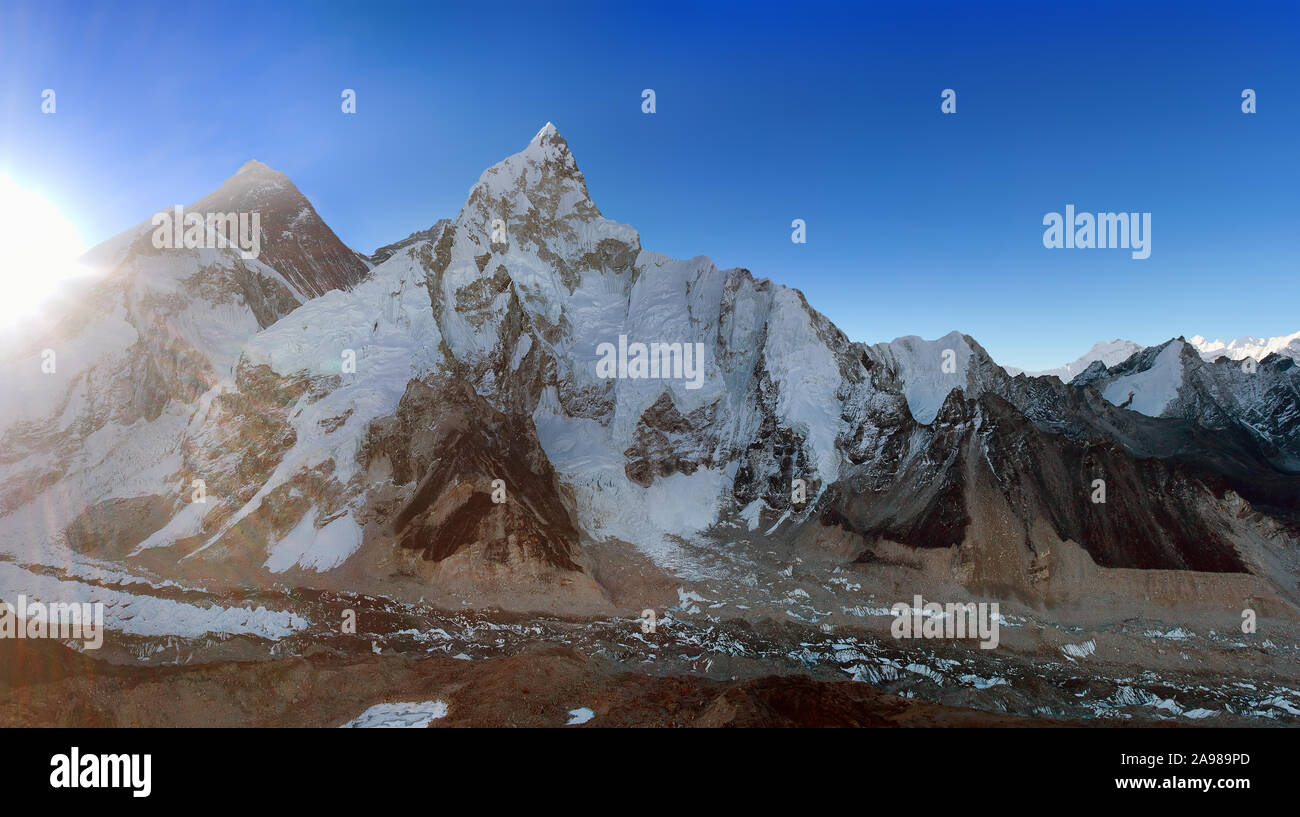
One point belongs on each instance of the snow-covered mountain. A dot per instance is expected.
(645, 460)
(96, 418)
(1109, 352)
(442, 421)
(1114, 352)
(1173, 380)
(1257, 348)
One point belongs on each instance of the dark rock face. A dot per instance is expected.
(458, 447)
(1260, 402)
(775, 456)
(112, 529)
(913, 491)
(1042, 443)
(1154, 515)
(666, 442)
(389, 250)
(1216, 432)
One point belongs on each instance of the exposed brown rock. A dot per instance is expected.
(458, 446)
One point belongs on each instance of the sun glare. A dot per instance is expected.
(40, 251)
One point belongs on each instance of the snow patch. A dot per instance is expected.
(138, 614)
(313, 548)
(1080, 650)
(399, 716)
(1153, 388)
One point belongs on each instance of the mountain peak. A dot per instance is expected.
(1107, 352)
(543, 176)
(296, 241)
(256, 178)
(547, 134)
(253, 166)
(255, 173)
(1249, 346)
(548, 147)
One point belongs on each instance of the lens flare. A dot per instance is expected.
(41, 249)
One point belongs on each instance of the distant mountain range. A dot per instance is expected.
(1112, 352)
(1109, 352)
(1257, 348)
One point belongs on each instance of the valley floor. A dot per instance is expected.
(498, 669)
(554, 686)
(746, 642)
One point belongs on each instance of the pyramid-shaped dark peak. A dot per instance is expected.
(254, 186)
(251, 192)
(296, 240)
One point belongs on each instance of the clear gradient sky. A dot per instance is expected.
(918, 222)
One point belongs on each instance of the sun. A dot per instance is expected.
(39, 249)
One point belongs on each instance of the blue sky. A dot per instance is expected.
(918, 222)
